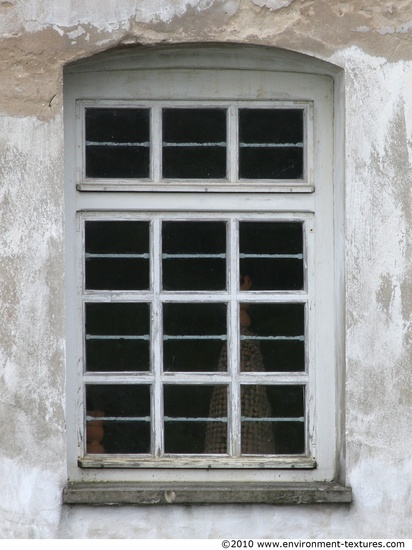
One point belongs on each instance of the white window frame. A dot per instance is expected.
(228, 77)
(232, 297)
(155, 182)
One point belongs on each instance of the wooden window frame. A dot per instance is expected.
(160, 77)
(234, 379)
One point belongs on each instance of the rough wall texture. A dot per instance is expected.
(372, 41)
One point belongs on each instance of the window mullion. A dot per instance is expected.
(233, 340)
(157, 344)
(232, 144)
(156, 143)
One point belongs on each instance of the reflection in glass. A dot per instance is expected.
(279, 332)
(124, 413)
(194, 143)
(271, 143)
(193, 335)
(272, 419)
(187, 420)
(271, 253)
(194, 255)
(117, 337)
(117, 255)
(117, 143)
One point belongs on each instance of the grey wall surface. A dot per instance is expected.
(371, 41)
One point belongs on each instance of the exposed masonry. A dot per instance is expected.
(34, 50)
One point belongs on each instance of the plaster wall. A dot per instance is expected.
(371, 41)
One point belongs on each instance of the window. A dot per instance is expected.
(202, 311)
(231, 142)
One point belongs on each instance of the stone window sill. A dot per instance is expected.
(116, 493)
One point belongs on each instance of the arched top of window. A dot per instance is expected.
(203, 56)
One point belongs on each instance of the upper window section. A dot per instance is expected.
(222, 146)
(117, 143)
(194, 143)
(271, 144)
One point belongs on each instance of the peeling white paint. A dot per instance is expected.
(273, 4)
(378, 252)
(362, 29)
(158, 10)
(29, 504)
(37, 15)
(76, 33)
(402, 29)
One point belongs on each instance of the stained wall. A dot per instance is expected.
(371, 41)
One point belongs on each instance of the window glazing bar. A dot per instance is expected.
(195, 337)
(116, 144)
(194, 144)
(273, 419)
(195, 419)
(280, 256)
(271, 145)
(145, 256)
(118, 418)
(221, 419)
(174, 256)
(294, 338)
(117, 337)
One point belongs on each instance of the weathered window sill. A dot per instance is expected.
(115, 493)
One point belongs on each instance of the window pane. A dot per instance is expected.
(190, 428)
(271, 254)
(271, 143)
(275, 339)
(194, 255)
(194, 336)
(117, 255)
(272, 419)
(124, 411)
(194, 143)
(117, 337)
(117, 143)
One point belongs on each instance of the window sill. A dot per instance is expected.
(286, 462)
(241, 187)
(116, 493)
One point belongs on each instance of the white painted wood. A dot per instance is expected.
(146, 84)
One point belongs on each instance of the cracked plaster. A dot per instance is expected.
(372, 41)
(38, 37)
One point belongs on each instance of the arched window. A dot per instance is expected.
(202, 295)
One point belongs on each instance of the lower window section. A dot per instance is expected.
(197, 339)
(272, 420)
(195, 420)
(188, 420)
(118, 419)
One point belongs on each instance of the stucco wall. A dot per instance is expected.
(371, 40)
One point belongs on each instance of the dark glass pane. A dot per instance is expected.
(117, 162)
(194, 336)
(272, 419)
(117, 337)
(271, 143)
(117, 255)
(194, 143)
(274, 341)
(117, 143)
(194, 255)
(190, 425)
(193, 356)
(124, 413)
(271, 254)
